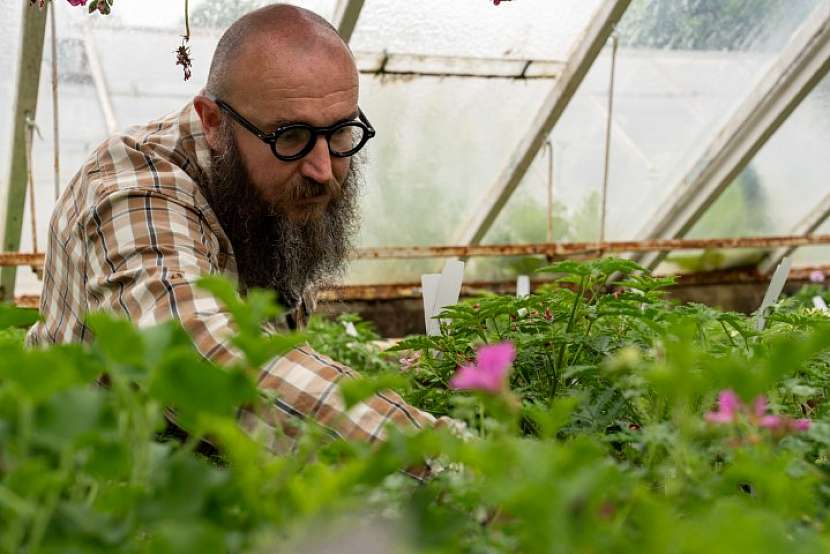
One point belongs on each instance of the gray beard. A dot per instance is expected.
(273, 251)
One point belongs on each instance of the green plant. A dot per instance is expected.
(601, 445)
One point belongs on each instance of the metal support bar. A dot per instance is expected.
(806, 227)
(56, 158)
(345, 18)
(799, 67)
(551, 249)
(25, 104)
(580, 59)
(607, 154)
(100, 81)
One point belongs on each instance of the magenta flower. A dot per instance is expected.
(817, 276)
(728, 406)
(490, 371)
(770, 422)
(77, 2)
(800, 425)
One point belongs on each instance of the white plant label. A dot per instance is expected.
(439, 291)
(776, 285)
(522, 286)
(819, 303)
(429, 291)
(522, 290)
(351, 330)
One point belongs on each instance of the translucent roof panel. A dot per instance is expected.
(167, 14)
(728, 55)
(779, 187)
(473, 28)
(680, 72)
(783, 181)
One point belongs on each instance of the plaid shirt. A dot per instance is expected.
(133, 232)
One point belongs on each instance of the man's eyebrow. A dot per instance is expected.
(277, 123)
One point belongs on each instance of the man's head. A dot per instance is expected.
(290, 222)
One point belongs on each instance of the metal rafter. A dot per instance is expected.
(346, 16)
(580, 59)
(798, 68)
(100, 81)
(25, 106)
(806, 227)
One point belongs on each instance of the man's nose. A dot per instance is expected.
(317, 163)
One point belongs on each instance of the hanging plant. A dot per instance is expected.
(104, 7)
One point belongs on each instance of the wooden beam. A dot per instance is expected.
(25, 106)
(550, 249)
(396, 291)
(580, 59)
(798, 68)
(806, 227)
(345, 18)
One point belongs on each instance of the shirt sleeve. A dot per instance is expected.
(146, 250)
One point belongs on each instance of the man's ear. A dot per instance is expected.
(211, 118)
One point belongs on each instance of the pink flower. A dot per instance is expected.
(728, 406)
(770, 422)
(77, 2)
(817, 276)
(490, 371)
(800, 424)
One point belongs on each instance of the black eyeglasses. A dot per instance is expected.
(292, 142)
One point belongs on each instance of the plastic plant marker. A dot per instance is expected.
(429, 291)
(819, 303)
(351, 330)
(522, 290)
(449, 290)
(776, 286)
(522, 286)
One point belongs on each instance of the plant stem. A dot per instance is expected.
(726, 331)
(571, 319)
(481, 430)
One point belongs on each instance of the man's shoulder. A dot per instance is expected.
(164, 157)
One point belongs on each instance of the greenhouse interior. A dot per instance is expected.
(558, 283)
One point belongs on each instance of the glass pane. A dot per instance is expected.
(474, 28)
(435, 155)
(784, 180)
(680, 71)
(440, 144)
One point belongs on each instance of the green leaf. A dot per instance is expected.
(193, 386)
(12, 316)
(68, 416)
(119, 341)
(38, 374)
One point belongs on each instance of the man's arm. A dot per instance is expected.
(145, 252)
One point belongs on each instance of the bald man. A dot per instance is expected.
(254, 179)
